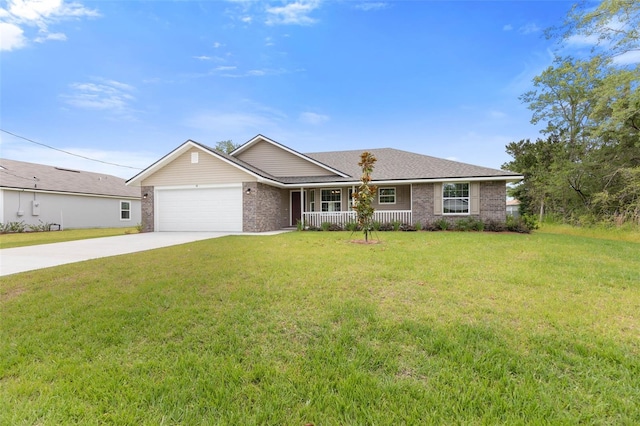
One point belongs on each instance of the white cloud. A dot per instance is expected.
(296, 13)
(368, 6)
(51, 36)
(628, 58)
(529, 28)
(27, 15)
(496, 114)
(507, 27)
(313, 118)
(203, 58)
(217, 45)
(105, 95)
(11, 37)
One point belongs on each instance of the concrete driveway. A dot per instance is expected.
(22, 259)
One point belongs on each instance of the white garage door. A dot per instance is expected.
(199, 209)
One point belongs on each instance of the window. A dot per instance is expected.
(387, 196)
(351, 200)
(312, 200)
(455, 198)
(194, 158)
(331, 200)
(125, 210)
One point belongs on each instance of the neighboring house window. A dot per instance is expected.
(331, 199)
(312, 200)
(387, 196)
(455, 198)
(351, 192)
(125, 210)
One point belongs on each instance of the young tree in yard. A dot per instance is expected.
(365, 194)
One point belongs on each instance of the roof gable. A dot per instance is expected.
(31, 176)
(185, 147)
(281, 161)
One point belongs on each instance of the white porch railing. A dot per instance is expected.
(316, 219)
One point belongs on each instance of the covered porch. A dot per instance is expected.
(334, 205)
(316, 219)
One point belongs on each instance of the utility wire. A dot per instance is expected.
(67, 152)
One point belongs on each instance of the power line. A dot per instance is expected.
(67, 152)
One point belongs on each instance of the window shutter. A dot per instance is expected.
(437, 198)
(474, 198)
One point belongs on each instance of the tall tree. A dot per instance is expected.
(591, 107)
(226, 146)
(365, 194)
(614, 26)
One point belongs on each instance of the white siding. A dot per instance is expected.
(208, 170)
(278, 162)
(72, 211)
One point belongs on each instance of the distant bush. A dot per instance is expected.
(523, 224)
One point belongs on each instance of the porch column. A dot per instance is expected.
(302, 205)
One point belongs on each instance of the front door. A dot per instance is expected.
(296, 208)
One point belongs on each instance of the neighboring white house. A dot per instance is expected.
(38, 194)
(513, 208)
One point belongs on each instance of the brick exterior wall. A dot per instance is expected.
(261, 207)
(146, 205)
(422, 203)
(493, 203)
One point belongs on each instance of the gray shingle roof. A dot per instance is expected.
(394, 164)
(19, 174)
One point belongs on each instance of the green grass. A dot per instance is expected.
(423, 328)
(626, 232)
(33, 238)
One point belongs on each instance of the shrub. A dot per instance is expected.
(376, 225)
(523, 224)
(418, 226)
(351, 226)
(495, 226)
(469, 224)
(430, 227)
(335, 227)
(386, 227)
(396, 225)
(407, 227)
(12, 227)
(441, 224)
(325, 226)
(42, 227)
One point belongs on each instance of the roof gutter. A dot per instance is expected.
(392, 181)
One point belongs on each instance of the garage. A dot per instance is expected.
(199, 209)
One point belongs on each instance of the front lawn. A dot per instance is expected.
(22, 239)
(305, 327)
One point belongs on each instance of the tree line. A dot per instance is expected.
(586, 165)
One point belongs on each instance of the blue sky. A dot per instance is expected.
(128, 81)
